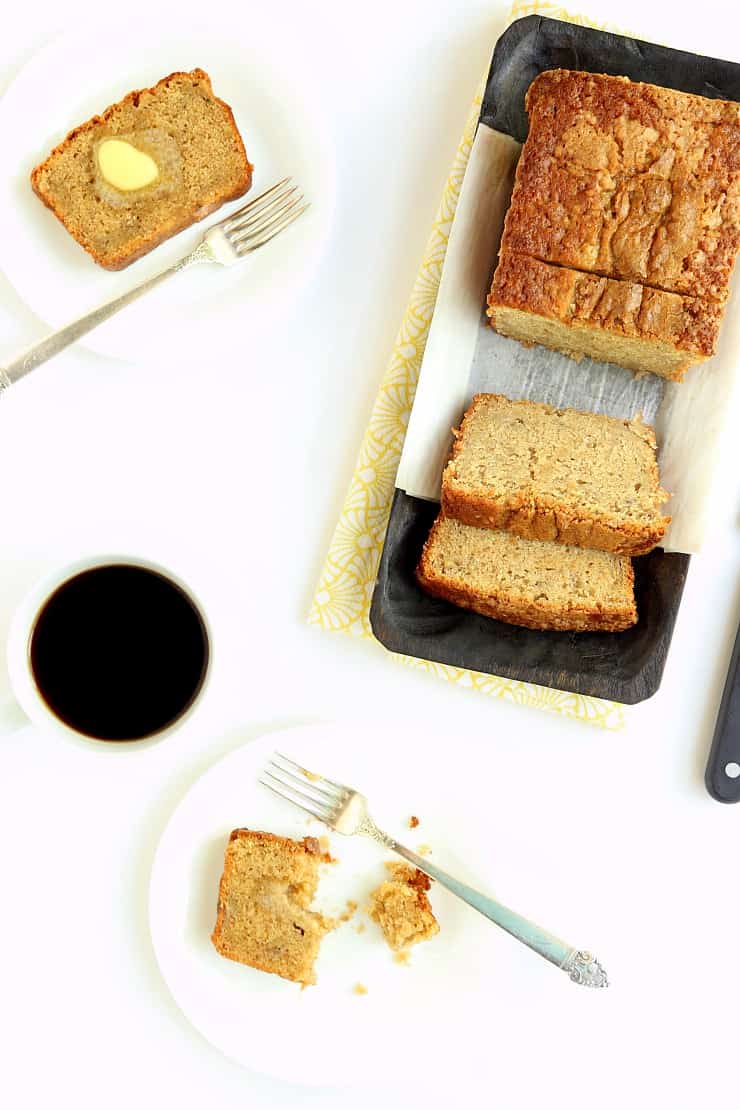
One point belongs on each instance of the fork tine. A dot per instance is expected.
(254, 204)
(248, 246)
(312, 778)
(285, 798)
(289, 794)
(245, 217)
(288, 779)
(259, 224)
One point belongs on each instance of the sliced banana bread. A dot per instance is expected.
(402, 909)
(527, 582)
(149, 166)
(607, 320)
(556, 474)
(263, 917)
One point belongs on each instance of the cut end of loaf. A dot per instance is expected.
(581, 314)
(578, 341)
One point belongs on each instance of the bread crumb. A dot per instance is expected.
(401, 908)
(424, 850)
(360, 927)
(413, 822)
(402, 957)
(349, 912)
(359, 988)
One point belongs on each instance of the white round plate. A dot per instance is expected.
(206, 311)
(433, 1012)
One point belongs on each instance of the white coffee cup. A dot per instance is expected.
(29, 706)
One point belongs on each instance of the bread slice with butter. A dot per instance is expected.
(151, 165)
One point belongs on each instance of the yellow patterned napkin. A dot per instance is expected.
(342, 599)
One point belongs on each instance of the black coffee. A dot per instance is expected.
(119, 652)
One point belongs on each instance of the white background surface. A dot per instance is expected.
(233, 473)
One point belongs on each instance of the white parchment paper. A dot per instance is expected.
(465, 356)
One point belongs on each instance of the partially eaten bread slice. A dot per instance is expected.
(264, 917)
(402, 909)
(149, 166)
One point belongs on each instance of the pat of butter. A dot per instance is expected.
(124, 166)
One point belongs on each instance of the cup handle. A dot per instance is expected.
(12, 717)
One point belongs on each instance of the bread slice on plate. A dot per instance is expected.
(148, 167)
(264, 917)
(556, 474)
(528, 582)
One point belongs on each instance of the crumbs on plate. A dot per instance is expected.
(350, 911)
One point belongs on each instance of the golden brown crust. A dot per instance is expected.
(538, 519)
(308, 846)
(630, 181)
(542, 615)
(119, 260)
(531, 515)
(625, 308)
(420, 883)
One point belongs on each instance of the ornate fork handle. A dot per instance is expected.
(581, 966)
(59, 340)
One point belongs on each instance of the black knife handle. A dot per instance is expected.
(725, 751)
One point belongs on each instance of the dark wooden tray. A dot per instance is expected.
(625, 666)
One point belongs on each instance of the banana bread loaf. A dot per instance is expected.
(631, 182)
(149, 166)
(556, 474)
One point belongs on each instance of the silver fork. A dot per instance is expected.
(345, 811)
(226, 243)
